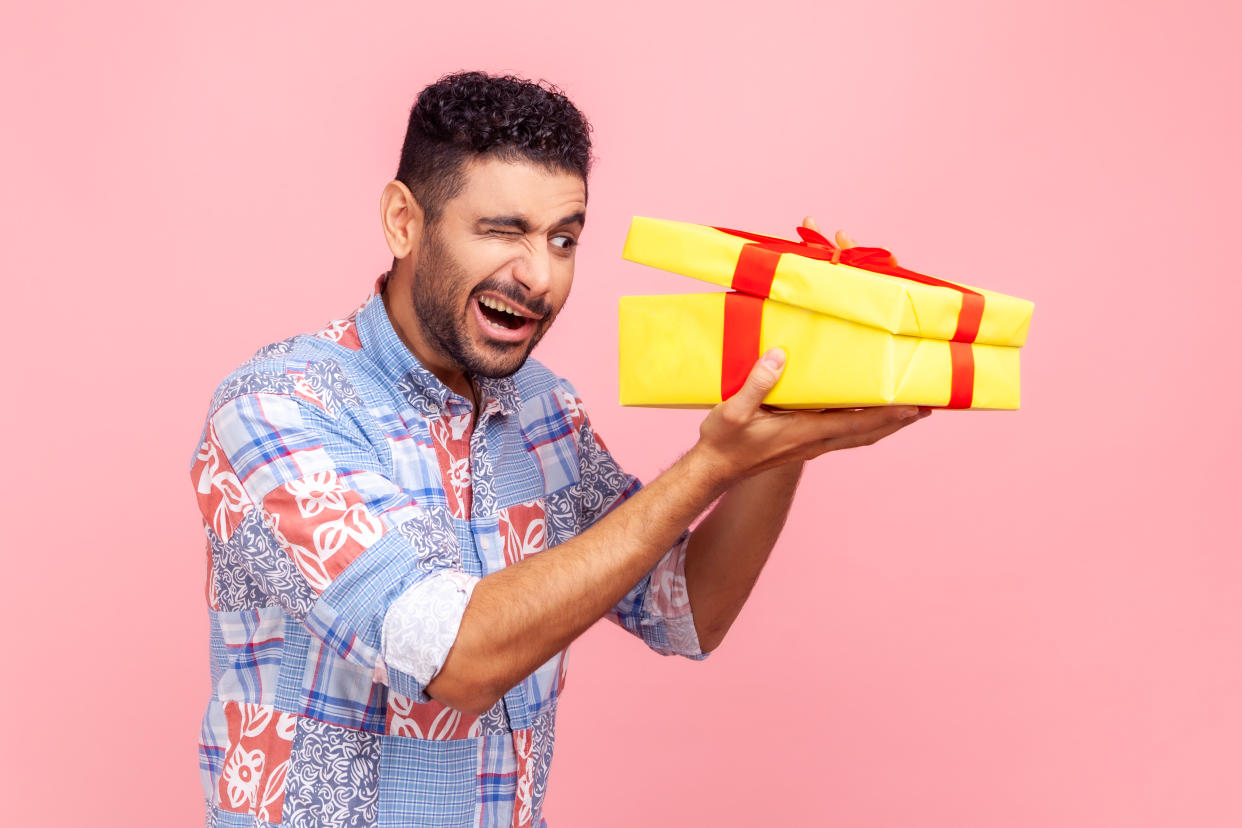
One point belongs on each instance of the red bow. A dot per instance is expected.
(815, 245)
(753, 274)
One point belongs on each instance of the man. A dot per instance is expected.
(408, 520)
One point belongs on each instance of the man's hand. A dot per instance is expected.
(741, 437)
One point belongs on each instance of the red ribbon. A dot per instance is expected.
(743, 318)
(753, 274)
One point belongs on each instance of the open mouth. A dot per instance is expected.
(501, 320)
(499, 313)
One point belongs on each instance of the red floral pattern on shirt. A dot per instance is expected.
(221, 498)
(257, 760)
(451, 437)
(523, 531)
(432, 720)
(322, 524)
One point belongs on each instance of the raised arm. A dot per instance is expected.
(521, 616)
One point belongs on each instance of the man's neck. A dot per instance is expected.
(411, 335)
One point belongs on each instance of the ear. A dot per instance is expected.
(402, 219)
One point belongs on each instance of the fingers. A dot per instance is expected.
(760, 381)
(844, 241)
(814, 449)
(868, 438)
(850, 425)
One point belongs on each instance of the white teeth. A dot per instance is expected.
(495, 304)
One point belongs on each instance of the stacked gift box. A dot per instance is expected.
(858, 329)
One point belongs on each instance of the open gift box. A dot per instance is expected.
(858, 330)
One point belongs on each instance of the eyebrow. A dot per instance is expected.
(519, 222)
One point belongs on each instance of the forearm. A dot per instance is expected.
(729, 548)
(524, 614)
(521, 616)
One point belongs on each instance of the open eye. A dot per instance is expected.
(564, 242)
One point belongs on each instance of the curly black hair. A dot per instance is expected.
(473, 114)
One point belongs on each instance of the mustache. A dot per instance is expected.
(513, 292)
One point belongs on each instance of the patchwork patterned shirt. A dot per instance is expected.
(351, 502)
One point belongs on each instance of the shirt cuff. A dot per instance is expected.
(419, 630)
(668, 601)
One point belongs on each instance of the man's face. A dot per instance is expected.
(493, 272)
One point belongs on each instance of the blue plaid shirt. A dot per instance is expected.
(350, 503)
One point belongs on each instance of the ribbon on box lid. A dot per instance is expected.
(752, 279)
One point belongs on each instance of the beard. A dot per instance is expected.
(442, 297)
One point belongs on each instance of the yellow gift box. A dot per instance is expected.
(673, 354)
(853, 336)
(806, 275)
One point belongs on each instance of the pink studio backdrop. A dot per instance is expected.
(992, 619)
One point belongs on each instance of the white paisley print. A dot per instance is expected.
(421, 625)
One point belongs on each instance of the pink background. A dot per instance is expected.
(1025, 619)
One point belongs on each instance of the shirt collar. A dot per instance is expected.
(398, 366)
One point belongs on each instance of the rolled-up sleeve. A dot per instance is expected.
(657, 609)
(420, 628)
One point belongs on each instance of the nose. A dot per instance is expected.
(534, 271)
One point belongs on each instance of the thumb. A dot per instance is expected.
(761, 380)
